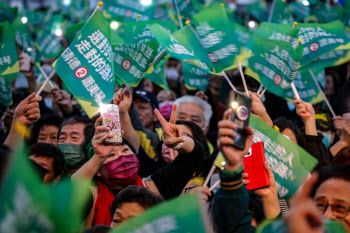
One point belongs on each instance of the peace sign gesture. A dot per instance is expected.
(172, 133)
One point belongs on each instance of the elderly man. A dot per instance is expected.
(192, 108)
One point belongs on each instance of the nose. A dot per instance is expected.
(329, 214)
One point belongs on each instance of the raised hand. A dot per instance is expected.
(62, 98)
(307, 113)
(258, 109)
(123, 100)
(202, 95)
(234, 156)
(102, 149)
(172, 133)
(338, 123)
(28, 112)
(303, 215)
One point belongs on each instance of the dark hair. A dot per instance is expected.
(336, 172)
(135, 194)
(282, 123)
(97, 229)
(342, 157)
(49, 119)
(49, 151)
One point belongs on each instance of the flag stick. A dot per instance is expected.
(243, 79)
(212, 169)
(45, 76)
(46, 81)
(138, 18)
(295, 24)
(262, 93)
(228, 80)
(322, 93)
(271, 10)
(295, 90)
(214, 185)
(260, 89)
(97, 7)
(178, 14)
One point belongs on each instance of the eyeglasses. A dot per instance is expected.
(340, 209)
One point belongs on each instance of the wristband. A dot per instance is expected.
(178, 146)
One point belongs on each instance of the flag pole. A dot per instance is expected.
(292, 83)
(262, 93)
(228, 80)
(271, 10)
(44, 84)
(97, 7)
(178, 13)
(212, 169)
(45, 76)
(322, 93)
(214, 185)
(138, 18)
(243, 79)
(260, 89)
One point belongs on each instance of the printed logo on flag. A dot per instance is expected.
(81, 72)
(277, 79)
(314, 46)
(213, 57)
(126, 64)
(128, 13)
(242, 113)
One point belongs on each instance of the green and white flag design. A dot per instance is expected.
(86, 66)
(195, 78)
(8, 51)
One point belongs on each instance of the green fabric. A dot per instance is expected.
(230, 174)
(26, 205)
(258, 11)
(8, 51)
(5, 89)
(71, 31)
(157, 75)
(290, 163)
(86, 66)
(186, 9)
(184, 214)
(281, 13)
(195, 78)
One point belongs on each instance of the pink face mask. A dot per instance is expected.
(123, 170)
(165, 110)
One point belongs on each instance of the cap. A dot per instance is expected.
(147, 96)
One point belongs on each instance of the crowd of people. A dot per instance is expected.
(170, 140)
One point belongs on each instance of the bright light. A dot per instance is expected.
(58, 32)
(24, 19)
(114, 25)
(29, 49)
(306, 3)
(66, 2)
(146, 2)
(103, 108)
(234, 105)
(252, 24)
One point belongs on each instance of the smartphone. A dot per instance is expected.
(25, 62)
(240, 105)
(110, 115)
(254, 167)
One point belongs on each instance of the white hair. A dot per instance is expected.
(208, 112)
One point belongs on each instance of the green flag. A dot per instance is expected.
(280, 32)
(86, 65)
(279, 226)
(320, 39)
(71, 31)
(184, 214)
(281, 13)
(186, 9)
(122, 10)
(7, 13)
(26, 205)
(274, 64)
(48, 44)
(134, 55)
(258, 11)
(8, 51)
(299, 11)
(5, 89)
(306, 87)
(219, 41)
(157, 75)
(195, 78)
(243, 34)
(290, 163)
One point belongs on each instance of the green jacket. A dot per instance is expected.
(231, 203)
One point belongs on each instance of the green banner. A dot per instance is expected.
(27, 205)
(86, 66)
(5, 89)
(299, 11)
(274, 64)
(122, 10)
(280, 32)
(290, 163)
(243, 34)
(306, 87)
(320, 39)
(157, 75)
(184, 214)
(8, 51)
(258, 11)
(281, 13)
(7, 13)
(186, 9)
(195, 78)
(71, 31)
(279, 226)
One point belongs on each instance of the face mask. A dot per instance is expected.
(165, 109)
(123, 170)
(48, 102)
(172, 74)
(290, 106)
(326, 139)
(73, 154)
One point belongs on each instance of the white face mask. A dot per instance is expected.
(48, 102)
(172, 74)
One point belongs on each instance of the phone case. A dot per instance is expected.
(254, 167)
(110, 114)
(241, 105)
